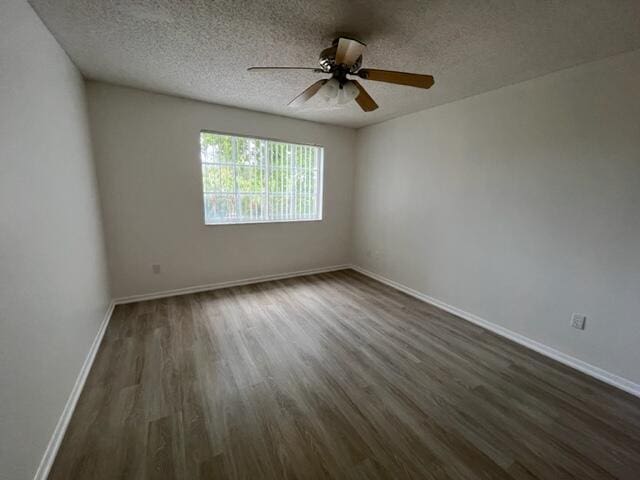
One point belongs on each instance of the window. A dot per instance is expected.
(252, 180)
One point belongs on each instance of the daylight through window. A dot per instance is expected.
(250, 180)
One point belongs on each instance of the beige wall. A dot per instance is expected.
(53, 281)
(521, 206)
(147, 153)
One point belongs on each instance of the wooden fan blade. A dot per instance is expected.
(307, 94)
(284, 68)
(348, 51)
(399, 78)
(364, 99)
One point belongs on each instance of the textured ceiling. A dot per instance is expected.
(201, 48)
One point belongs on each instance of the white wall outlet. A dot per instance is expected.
(156, 268)
(578, 321)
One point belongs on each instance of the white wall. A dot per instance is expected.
(53, 281)
(521, 206)
(147, 152)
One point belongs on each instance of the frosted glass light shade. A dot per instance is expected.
(332, 94)
(329, 90)
(347, 93)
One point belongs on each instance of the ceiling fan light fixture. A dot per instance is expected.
(333, 93)
(329, 90)
(347, 93)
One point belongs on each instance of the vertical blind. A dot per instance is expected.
(248, 180)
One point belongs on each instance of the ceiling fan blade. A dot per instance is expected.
(308, 93)
(284, 68)
(348, 51)
(364, 99)
(399, 78)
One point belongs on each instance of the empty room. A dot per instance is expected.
(333, 239)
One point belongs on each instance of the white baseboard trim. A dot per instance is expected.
(591, 370)
(63, 422)
(231, 283)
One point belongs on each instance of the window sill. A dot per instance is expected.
(258, 222)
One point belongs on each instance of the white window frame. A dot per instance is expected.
(320, 182)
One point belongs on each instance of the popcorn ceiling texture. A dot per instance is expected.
(200, 49)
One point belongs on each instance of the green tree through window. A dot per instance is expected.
(248, 180)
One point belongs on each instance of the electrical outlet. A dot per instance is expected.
(578, 321)
(156, 268)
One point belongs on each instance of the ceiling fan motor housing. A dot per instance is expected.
(327, 61)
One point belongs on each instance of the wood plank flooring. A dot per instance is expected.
(334, 376)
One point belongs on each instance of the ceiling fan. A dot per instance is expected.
(342, 58)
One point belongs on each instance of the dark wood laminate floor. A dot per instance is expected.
(334, 376)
